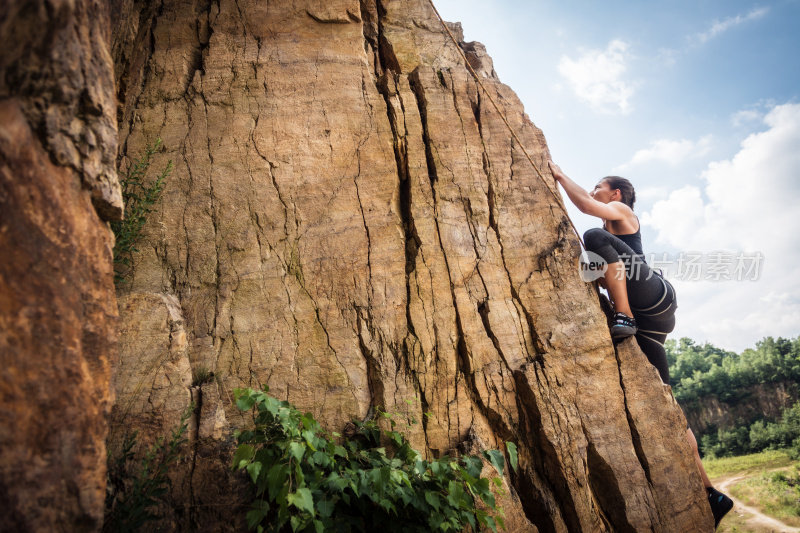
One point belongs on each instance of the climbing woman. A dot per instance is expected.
(644, 302)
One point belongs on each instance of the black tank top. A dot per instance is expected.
(634, 240)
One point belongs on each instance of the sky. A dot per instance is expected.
(698, 104)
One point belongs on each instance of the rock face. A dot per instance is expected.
(350, 223)
(760, 401)
(58, 330)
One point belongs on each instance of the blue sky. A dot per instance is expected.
(698, 104)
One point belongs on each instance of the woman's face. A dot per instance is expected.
(602, 192)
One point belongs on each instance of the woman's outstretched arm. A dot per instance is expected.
(587, 204)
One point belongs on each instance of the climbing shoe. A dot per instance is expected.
(622, 326)
(720, 504)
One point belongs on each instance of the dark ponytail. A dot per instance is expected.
(625, 187)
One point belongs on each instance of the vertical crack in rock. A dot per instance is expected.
(386, 70)
(196, 420)
(416, 87)
(535, 352)
(148, 18)
(328, 338)
(461, 346)
(605, 491)
(504, 430)
(540, 500)
(203, 31)
(658, 429)
(214, 215)
(483, 311)
(284, 205)
(464, 357)
(465, 201)
(366, 228)
(635, 437)
(374, 370)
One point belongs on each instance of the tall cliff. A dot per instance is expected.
(348, 222)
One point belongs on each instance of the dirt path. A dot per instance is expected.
(758, 519)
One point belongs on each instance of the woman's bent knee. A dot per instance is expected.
(594, 238)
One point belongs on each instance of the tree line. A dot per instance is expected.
(702, 371)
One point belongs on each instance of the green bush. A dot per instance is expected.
(702, 371)
(138, 198)
(787, 486)
(783, 434)
(305, 480)
(134, 489)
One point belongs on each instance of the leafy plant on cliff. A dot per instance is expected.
(134, 488)
(306, 481)
(138, 197)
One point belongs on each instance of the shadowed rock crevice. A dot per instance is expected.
(203, 31)
(604, 489)
(635, 437)
(375, 372)
(552, 490)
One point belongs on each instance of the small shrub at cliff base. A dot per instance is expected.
(201, 375)
(306, 481)
(138, 198)
(134, 489)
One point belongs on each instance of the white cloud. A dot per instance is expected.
(596, 77)
(744, 204)
(752, 114)
(676, 218)
(720, 26)
(671, 152)
(647, 193)
(745, 116)
(667, 56)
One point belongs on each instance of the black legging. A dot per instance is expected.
(651, 297)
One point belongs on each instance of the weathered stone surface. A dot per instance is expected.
(350, 223)
(56, 55)
(653, 416)
(153, 378)
(57, 304)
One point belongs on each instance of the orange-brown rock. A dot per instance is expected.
(350, 223)
(58, 310)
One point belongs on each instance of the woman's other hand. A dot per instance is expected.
(558, 174)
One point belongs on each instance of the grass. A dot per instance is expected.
(756, 462)
(201, 375)
(767, 486)
(737, 523)
(773, 493)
